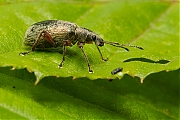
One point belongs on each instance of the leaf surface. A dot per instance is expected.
(151, 25)
(64, 98)
(154, 28)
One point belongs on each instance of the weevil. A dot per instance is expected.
(59, 33)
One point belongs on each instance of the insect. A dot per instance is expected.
(117, 70)
(59, 33)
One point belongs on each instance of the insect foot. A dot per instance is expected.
(58, 33)
(105, 59)
(23, 53)
(90, 71)
(60, 66)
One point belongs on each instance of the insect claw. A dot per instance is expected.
(23, 53)
(59, 66)
(90, 71)
(105, 59)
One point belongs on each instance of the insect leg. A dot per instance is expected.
(65, 43)
(101, 54)
(80, 45)
(63, 59)
(47, 37)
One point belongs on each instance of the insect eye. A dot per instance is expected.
(94, 37)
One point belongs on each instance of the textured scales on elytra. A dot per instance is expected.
(59, 33)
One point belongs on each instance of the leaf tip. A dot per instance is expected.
(141, 80)
(39, 76)
(13, 68)
(36, 82)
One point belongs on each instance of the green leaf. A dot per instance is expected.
(64, 98)
(150, 25)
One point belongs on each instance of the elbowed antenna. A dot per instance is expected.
(116, 44)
